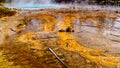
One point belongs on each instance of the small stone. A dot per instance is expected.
(62, 30)
(33, 48)
(68, 29)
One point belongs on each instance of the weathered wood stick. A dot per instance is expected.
(52, 51)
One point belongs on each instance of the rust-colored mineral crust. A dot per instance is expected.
(33, 34)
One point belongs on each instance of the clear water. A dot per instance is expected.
(32, 6)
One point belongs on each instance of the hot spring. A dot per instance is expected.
(31, 4)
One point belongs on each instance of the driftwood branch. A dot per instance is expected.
(52, 51)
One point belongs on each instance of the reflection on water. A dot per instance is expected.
(105, 33)
(104, 26)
